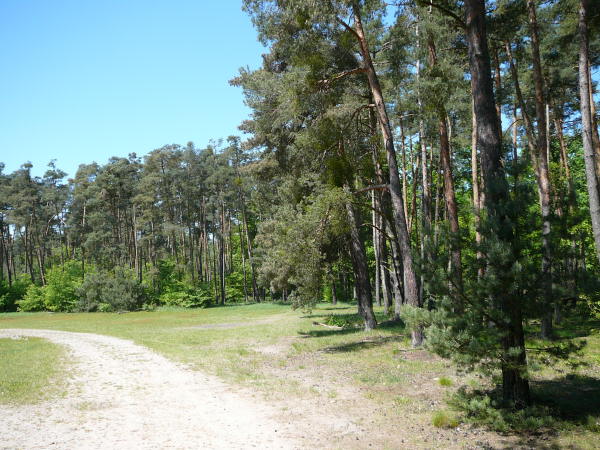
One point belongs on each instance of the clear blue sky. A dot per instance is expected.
(85, 80)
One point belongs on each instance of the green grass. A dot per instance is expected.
(445, 381)
(31, 370)
(444, 419)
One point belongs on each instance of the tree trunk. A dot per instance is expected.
(255, 294)
(222, 260)
(587, 124)
(241, 236)
(361, 270)
(515, 384)
(595, 136)
(543, 175)
(396, 275)
(451, 206)
(334, 299)
(476, 194)
(425, 191)
(411, 291)
(385, 270)
(377, 250)
(498, 85)
(449, 195)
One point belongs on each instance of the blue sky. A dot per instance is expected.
(85, 80)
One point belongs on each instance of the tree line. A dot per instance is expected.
(440, 159)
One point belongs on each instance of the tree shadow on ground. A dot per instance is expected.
(574, 398)
(576, 328)
(338, 308)
(362, 345)
(568, 403)
(328, 332)
(538, 441)
(570, 328)
(314, 316)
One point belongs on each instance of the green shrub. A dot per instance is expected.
(105, 292)
(593, 424)
(234, 287)
(105, 307)
(327, 294)
(11, 294)
(62, 281)
(33, 300)
(191, 298)
(344, 320)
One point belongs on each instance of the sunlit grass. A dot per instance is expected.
(31, 370)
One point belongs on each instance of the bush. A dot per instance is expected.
(105, 292)
(10, 295)
(190, 298)
(62, 282)
(234, 287)
(33, 300)
(327, 294)
(344, 320)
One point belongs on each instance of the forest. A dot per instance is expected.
(438, 159)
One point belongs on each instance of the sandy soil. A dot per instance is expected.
(122, 395)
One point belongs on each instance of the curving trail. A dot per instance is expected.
(122, 395)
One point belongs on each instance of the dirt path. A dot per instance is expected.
(122, 395)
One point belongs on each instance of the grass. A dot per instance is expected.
(444, 419)
(284, 354)
(31, 370)
(445, 381)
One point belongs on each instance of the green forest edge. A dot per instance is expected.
(296, 196)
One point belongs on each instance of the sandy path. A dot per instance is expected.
(125, 396)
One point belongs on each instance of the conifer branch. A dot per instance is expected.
(381, 187)
(326, 83)
(460, 22)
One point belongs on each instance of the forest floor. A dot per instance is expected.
(253, 376)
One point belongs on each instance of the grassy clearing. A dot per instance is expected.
(283, 353)
(31, 370)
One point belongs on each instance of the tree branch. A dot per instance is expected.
(348, 27)
(382, 187)
(326, 83)
(460, 22)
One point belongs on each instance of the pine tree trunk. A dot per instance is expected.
(411, 291)
(222, 260)
(255, 294)
(587, 124)
(241, 236)
(451, 206)
(476, 194)
(595, 136)
(385, 271)
(396, 274)
(543, 175)
(334, 299)
(515, 385)
(361, 270)
(377, 250)
(449, 195)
